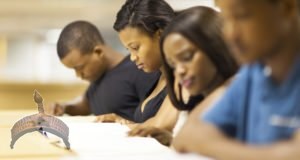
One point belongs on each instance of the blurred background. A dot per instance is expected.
(29, 30)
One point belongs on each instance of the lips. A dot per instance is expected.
(187, 83)
(238, 46)
(140, 66)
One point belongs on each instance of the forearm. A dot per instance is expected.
(166, 117)
(74, 110)
(209, 141)
(228, 149)
(80, 107)
(167, 122)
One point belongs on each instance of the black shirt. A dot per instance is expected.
(150, 108)
(120, 90)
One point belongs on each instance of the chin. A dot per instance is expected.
(192, 92)
(250, 58)
(196, 90)
(148, 70)
(244, 57)
(90, 80)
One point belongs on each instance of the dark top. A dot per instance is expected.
(120, 90)
(151, 108)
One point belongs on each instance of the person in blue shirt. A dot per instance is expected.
(259, 115)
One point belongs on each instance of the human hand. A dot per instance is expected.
(163, 136)
(56, 109)
(106, 118)
(111, 118)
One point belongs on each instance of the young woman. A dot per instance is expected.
(140, 24)
(194, 54)
(258, 116)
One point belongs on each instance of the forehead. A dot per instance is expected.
(129, 34)
(176, 40)
(73, 58)
(176, 43)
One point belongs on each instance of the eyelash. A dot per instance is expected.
(135, 48)
(184, 58)
(188, 56)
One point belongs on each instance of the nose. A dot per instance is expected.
(231, 31)
(133, 57)
(180, 70)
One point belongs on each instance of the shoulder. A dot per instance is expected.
(246, 71)
(235, 92)
(243, 77)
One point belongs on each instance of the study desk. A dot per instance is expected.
(89, 141)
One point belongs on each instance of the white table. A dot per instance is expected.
(89, 140)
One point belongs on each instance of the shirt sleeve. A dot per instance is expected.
(226, 112)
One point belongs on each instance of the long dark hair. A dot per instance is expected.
(147, 15)
(202, 26)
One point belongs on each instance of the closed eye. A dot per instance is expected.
(135, 48)
(187, 55)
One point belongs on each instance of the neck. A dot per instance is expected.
(281, 63)
(161, 69)
(215, 83)
(162, 76)
(113, 57)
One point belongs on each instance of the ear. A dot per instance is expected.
(158, 33)
(98, 50)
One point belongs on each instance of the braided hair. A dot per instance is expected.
(147, 15)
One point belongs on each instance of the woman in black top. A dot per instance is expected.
(195, 55)
(140, 24)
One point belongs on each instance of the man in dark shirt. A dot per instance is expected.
(116, 85)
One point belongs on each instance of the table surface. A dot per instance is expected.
(88, 140)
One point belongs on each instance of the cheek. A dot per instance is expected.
(199, 66)
(204, 69)
(150, 55)
(145, 53)
(89, 70)
(249, 33)
(258, 33)
(94, 68)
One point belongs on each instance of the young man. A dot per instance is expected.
(117, 86)
(259, 115)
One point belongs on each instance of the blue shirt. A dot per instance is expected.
(257, 110)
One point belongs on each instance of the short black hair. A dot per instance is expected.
(148, 15)
(201, 26)
(81, 35)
